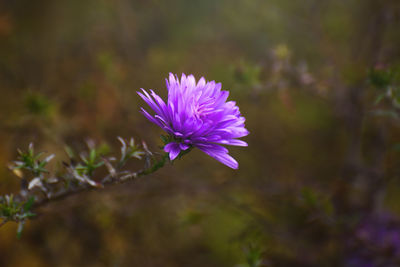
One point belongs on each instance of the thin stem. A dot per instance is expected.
(107, 182)
(123, 177)
(157, 165)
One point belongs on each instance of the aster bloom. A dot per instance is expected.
(197, 115)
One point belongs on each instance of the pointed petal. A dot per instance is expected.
(232, 142)
(183, 146)
(219, 153)
(151, 118)
(147, 98)
(173, 149)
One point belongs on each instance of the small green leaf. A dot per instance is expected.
(20, 228)
(29, 203)
(379, 98)
(69, 152)
(37, 155)
(93, 155)
(99, 164)
(29, 214)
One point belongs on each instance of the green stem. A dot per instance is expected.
(157, 165)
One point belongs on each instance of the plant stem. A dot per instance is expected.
(121, 177)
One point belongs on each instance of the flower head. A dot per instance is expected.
(197, 115)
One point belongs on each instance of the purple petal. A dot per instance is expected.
(232, 142)
(220, 154)
(183, 146)
(150, 118)
(200, 115)
(147, 98)
(173, 149)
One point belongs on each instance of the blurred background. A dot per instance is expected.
(319, 184)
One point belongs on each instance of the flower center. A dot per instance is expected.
(200, 110)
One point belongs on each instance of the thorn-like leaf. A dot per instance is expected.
(36, 182)
(21, 225)
(49, 158)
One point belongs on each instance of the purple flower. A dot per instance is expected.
(197, 115)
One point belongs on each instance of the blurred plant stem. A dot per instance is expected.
(353, 109)
(123, 177)
(39, 187)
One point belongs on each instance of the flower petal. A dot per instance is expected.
(220, 154)
(232, 142)
(197, 114)
(150, 118)
(173, 149)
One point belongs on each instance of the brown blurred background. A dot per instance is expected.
(321, 155)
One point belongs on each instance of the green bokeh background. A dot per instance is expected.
(69, 71)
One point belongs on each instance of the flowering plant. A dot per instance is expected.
(197, 115)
